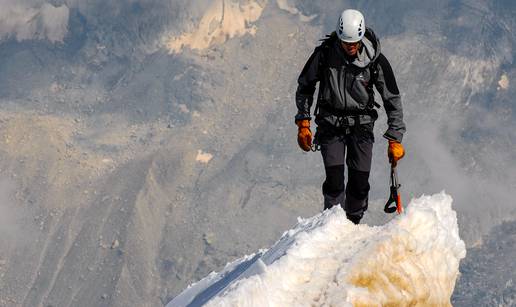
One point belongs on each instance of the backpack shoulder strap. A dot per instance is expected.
(324, 48)
(373, 70)
(373, 73)
(326, 43)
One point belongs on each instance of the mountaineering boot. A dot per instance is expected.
(355, 208)
(354, 218)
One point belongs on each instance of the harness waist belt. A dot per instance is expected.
(346, 119)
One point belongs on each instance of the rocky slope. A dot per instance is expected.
(125, 159)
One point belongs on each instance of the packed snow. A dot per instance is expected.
(328, 261)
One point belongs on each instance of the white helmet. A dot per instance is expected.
(351, 27)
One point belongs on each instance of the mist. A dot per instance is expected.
(181, 152)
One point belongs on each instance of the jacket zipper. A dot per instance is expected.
(345, 91)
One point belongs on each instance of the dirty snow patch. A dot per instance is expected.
(223, 20)
(203, 157)
(284, 5)
(183, 108)
(503, 83)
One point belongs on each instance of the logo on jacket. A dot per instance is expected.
(360, 77)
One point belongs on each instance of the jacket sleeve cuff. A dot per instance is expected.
(393, 135)
(301, 116)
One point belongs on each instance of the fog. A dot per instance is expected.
(111, 130)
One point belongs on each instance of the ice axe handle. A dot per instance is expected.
(394, 203)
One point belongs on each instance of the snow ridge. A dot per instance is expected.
(327, 261)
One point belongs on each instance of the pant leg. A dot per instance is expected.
(359, 157)
(357, 193)
(333, 154)
(333, 186)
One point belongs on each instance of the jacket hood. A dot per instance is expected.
(368, 53)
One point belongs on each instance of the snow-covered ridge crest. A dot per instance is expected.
(413, 262)
(327, 261)
(224, 19)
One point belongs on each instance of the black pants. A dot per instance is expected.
(352, 147)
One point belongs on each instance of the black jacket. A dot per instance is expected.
(345, 93)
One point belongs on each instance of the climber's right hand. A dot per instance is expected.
(395, 152)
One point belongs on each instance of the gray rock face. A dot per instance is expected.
(488, 273)
(189, 160)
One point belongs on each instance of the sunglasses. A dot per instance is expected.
(354, 44)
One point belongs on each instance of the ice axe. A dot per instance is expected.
(394, 202)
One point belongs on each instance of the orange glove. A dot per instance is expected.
(304, 135)
(395, 152)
